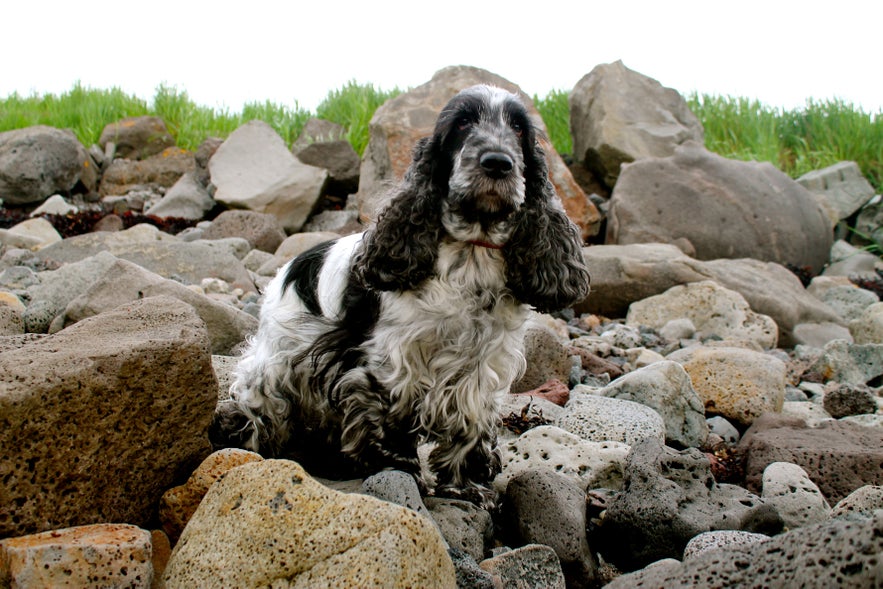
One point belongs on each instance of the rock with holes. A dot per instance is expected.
(602, 419)
(268, 523)
(849, 363)
(864, 500)
(262, 230)
(720, 539)
(464, 525)
(534, 565)
(798, 500)
(839, 554)
(99, 555)
(589, 464)
(867, 328)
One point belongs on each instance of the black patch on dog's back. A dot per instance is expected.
(303, 275)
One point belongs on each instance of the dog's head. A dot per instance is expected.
(480, 178)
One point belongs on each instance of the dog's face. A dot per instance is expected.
(483, 133)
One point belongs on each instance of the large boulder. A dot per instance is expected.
(623, 274)
(101, 418)
(268, 524)
(618, 115)
(400, 122)
(137, 137)
(37, 162)
(254, 170)
(736, 209)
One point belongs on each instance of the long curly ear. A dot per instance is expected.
(544, 260)
(399, 252)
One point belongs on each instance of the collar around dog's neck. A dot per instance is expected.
(486, 244)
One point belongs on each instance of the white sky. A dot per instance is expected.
(228, 53)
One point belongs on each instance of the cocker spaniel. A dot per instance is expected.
(407, 333)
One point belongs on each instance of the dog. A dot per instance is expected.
(408, 333)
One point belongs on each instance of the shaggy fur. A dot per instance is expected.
(374, 343)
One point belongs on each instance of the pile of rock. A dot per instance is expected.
(702, 419)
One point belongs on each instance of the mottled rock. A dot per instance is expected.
(544, 507)
(837, 455)
(600, 419)
(527, 567)
(868, 327)
(589, 464)
(848, 363)
(268, 523)
(99, 555)
(720, 539)
(736, 383)
(396, 487)
(715, 312)
(546, 359)
(137, 137)
(178, 504)
(261, 230)
(665, 387)
(145, 392)
(844, 399)
(162, 170)
(836, 554)
(798, 500)
(464, 525)
(864, 500)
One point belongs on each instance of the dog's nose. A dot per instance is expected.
(496, 164)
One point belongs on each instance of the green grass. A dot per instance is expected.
(797, 140)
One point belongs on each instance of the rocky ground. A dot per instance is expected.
(700, 420)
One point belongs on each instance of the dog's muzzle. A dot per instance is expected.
(496, 164)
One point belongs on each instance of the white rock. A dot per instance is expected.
(54, 205)
(600, 419)
(865, 500)
(719, 539)
(788, 488)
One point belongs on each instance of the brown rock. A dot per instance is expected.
(137, 137)
(261, 230)
(552, 390)
(546, 359)
(99, 419)
(596, 365)
(838, 456)
(101, 555)
(163, 169)
(178, 503)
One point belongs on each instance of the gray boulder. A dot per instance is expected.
(186, 199)
(842, 554)
(400, 122)
(137, 137)
(323, 144)
(842, 185)
(262, 231)
(618, 116)
(736, 209)
(253, 169)
(101, 418)
(37, 162)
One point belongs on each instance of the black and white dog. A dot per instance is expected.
(407, 333)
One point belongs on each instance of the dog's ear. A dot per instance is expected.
(544, 261)
(400, 250)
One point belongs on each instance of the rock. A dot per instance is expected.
(798, 500)
(396, 487)
(848, 363)
(186, 199)
(736, 383)
(864, 500)
(123, 282)
(342, 222)
(726, 430)
(38, 229)
(753, 211)
(323, 144)
(623, 274)
(178, 504)
(11, 321)
(838, 456)
(707, 541)
(527, 567)
(162, 170)
(145, 392)
(546, 359)
(302, 533)
(818, 335)
(848, 260)
(318, 131)
(848, 300)
(109, 223)
(553, 391)
(591, 465)
(665, 387)
(137, 138)
(835, 554)
(54, 205)
(106, 555)
(844, 399)
(39, 161)
(397, 125)
(544, 507)
(187, 262)
(254, 170)
(469, 574)
(601, 419)
(57, 288)
(868, 327)
(464, 525)
(842, 185)
(669, 497)
(262, 231)
(715, 312)
(618, 115)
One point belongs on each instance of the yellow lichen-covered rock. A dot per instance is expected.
(268, 523)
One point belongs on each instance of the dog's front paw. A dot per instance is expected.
(484, 497)
(230, 427)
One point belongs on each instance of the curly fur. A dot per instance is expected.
(408, 333)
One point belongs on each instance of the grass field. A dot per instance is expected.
(797, 141)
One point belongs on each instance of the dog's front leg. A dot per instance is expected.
(465, 464)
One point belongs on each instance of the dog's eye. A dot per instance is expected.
(464, 123)
(519, 130)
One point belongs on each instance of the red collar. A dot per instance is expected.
(486, 244)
